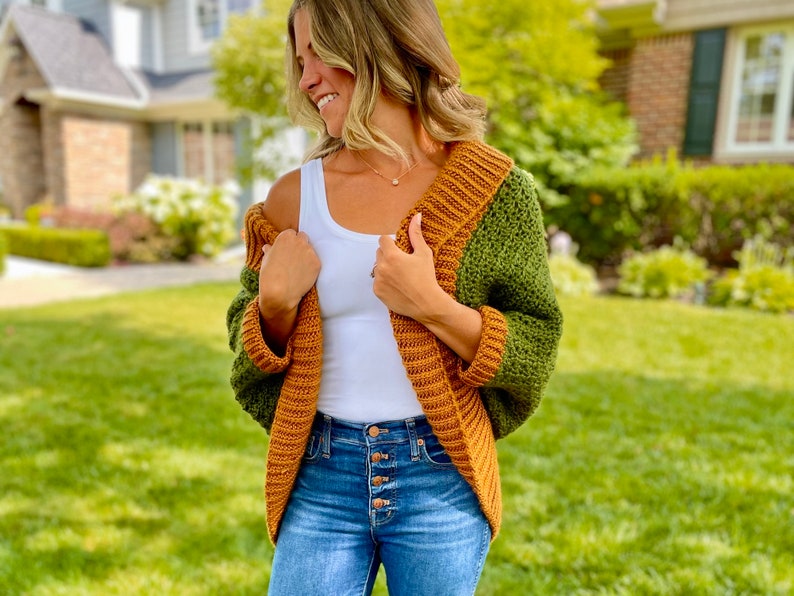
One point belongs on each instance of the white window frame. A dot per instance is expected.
(783, 102)
(126, 22)
(198, 45)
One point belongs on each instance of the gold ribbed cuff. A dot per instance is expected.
(489, 354)
(255, 345)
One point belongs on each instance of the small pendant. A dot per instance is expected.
(395, 182)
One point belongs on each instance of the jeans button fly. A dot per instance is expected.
(374, 431)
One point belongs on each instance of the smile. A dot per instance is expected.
(326, 99)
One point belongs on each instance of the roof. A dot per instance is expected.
(76, 62)
(181, 86)
(69, 52)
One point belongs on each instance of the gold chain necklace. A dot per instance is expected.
(394, 181)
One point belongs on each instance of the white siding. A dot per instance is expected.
(176, 39)
(688, 15)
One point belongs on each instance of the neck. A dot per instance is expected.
(404, 127)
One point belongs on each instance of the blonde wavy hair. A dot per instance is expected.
(394, 47)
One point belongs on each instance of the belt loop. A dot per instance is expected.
(327, 436)
(410, 424)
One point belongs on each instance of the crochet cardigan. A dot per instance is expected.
(482, 220)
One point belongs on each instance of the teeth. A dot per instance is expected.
(326, 99)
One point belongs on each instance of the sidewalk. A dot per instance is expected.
(27, 282)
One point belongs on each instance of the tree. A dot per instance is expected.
(249, 63)
(536, 64)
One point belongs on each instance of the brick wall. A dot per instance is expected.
(615, 79)
(101, 158)
(652, 78)
(21, 159)
(70, 158)
(658, 89)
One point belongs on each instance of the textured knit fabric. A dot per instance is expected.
(482, 220)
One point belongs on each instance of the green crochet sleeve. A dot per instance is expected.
(255, 389)
(505, 266)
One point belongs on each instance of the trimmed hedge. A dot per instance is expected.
(714, 209)
(82, 248)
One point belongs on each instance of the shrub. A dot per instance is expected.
(199, 217)
(39, 213)
(729, 205)
(667, 272)
(571, 277)
(615, 210)
(83, 248)
(133, 237)
(764, 280)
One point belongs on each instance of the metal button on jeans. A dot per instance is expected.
(378, 503)
(374, 431)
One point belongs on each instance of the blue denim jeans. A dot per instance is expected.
(372, 494)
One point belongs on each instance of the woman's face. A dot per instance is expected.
(331, 89)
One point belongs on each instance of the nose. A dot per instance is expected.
(309, 79)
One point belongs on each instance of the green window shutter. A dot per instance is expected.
(704, 91)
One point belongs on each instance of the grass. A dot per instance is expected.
(659, 463)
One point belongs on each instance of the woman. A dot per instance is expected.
(397, 315)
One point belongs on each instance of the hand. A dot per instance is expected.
(289, 269)
(406, 283)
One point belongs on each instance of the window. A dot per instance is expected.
(208, 151)
(208, 15)
(762, 109)
(207, 19)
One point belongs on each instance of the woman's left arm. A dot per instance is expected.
(504, 321)
(406, 283)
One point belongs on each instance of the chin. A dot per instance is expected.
(335, 133)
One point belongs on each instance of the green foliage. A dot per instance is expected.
(613, 210)
(571, 277)
(3, 252)
(667, 272)
(713, 209)
(728, 205)
(82, 248)
(764, 280)
(249, 65)
(540, 83)
(38, 213)
(653, 466)
(198, 216)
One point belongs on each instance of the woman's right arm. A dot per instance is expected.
(260, 319)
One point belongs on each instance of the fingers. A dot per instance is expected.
(415, 234)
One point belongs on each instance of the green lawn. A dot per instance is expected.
(660, 462)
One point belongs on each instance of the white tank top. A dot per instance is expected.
(363, 377)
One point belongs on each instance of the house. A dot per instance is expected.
(96, 94)
(712, 79)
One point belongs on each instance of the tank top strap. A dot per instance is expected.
(313, 203)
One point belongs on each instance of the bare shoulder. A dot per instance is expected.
(282, 206)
